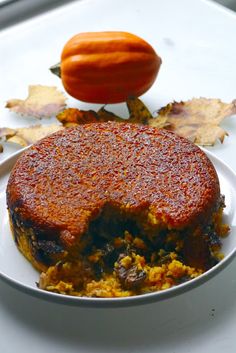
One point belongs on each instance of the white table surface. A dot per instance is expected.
(196, 40)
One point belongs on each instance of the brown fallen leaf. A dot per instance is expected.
(73, 116)
(106, 115)
(27, 135)
(198, 119)
(42, 102)
(138, 114)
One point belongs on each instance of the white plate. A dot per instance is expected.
(17, 271)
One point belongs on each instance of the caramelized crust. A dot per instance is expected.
(62, 183)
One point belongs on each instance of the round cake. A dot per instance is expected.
(77, 191)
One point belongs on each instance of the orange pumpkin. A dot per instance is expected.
(107, 67)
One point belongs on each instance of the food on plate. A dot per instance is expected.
(107, 67)
(116, 209)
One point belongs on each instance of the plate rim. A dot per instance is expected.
(8, 163)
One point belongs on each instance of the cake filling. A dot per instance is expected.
(120, 259)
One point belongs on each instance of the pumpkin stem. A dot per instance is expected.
(56, 69)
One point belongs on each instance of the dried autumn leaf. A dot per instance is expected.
(198, 119)
(42, 102)
(72, 117)
(138, 112)
(105, 115)
(6, 132)
(159, 122)
(27, 135)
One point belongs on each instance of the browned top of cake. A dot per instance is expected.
(64, 181)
